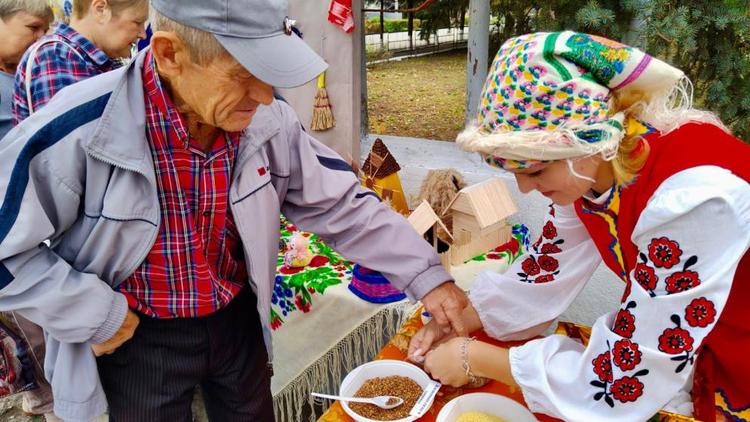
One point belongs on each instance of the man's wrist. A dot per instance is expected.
(427, 281)
(115, 318)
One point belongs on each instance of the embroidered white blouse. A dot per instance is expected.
(690, 237)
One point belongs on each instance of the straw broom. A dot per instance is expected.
(322, 117)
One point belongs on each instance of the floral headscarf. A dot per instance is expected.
(548, 97)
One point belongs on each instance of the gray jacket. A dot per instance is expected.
(80, 172)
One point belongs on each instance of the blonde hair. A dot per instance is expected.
(38, 8)
(664, 113)
(81, 7)
(202, 46)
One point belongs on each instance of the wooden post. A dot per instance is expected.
(477, 54)
(359, 30)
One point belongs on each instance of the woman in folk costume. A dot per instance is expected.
(640, 180)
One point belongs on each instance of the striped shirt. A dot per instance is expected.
(66, 57)
(197, 264)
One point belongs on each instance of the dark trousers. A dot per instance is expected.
(153, 376)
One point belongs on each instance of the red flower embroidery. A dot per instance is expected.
(675, 341)
(548, 263)
(624, 323)
(626, 355)
(664, 252)
(645, 276)
(550, 248)
(627, 389)
(275, 323)
(603, 367)
(302, 306)
(530, 266)
(700, 312)
(544, 278)
(549, 231)
(682, 281)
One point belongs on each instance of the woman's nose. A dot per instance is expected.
(524, 182)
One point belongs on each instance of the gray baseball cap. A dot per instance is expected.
(257, 33)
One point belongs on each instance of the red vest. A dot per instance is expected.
(722, 376)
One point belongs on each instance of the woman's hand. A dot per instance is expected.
(445, 363)
(432, 334)
(427, 337)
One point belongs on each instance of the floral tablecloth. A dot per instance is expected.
(321, 330)
(397, 347)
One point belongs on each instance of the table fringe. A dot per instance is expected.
(325, 374)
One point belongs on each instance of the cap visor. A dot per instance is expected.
(283, 61)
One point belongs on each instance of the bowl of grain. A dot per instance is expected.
(484, 407)
(385, 378)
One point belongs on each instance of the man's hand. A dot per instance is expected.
(122, 335)
(446, 304)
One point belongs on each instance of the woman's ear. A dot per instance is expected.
(101, 10)
(169, 52)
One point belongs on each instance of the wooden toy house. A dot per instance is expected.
(479, 214)
(380, 173)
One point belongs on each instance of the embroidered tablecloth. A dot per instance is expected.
(321, 330)
(398, 345)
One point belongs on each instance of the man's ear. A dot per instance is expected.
(170, 53)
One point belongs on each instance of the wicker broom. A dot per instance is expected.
(322, 117)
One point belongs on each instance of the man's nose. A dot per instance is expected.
(260, 92)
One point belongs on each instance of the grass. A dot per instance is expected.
(422, 97)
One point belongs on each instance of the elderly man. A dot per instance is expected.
(160, 186)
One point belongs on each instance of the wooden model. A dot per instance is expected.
(380, 173)
(478, 213)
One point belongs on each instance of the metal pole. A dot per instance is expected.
(477, 54)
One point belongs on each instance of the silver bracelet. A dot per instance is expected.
(465, 359)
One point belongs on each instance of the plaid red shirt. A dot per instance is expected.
(197, 264)
(57, 65)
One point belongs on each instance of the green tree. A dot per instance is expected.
(441, 14)
(708, 39)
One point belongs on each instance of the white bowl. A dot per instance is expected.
(381, 368)
(491, 404)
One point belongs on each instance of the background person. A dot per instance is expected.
(21, 23)
(100, 31)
